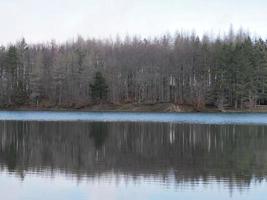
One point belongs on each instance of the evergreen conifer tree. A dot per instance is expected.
(99, 88)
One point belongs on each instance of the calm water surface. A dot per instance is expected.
(50, 155)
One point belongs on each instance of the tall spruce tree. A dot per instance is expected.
(11, 65)
(99, 89)
(16, 84)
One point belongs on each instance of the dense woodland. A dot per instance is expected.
(228, 71)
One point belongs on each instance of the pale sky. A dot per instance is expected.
(43, 20)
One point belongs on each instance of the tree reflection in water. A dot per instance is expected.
(187, 153)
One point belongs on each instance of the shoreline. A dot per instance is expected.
(130, 107)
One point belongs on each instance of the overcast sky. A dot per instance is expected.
(43, 20)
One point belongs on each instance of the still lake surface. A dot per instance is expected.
(88, 156)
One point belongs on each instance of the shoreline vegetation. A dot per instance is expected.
(128, 107)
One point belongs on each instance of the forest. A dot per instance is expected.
(183, 68)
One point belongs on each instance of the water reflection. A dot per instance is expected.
(235, 155)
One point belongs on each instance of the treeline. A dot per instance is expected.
(229, 71)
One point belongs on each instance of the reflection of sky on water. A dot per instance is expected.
(61, 187)
(196, 118)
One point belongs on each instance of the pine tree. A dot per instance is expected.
(17, 89)
(12, 64)
(260, 63)
(220, 75)
(99, 89)
(11, 67)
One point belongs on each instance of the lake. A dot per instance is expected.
(88, 156)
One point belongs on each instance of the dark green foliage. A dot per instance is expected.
(12, 65)
(238, 73)
(99, 89)
(17, 89)
(12, 58)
